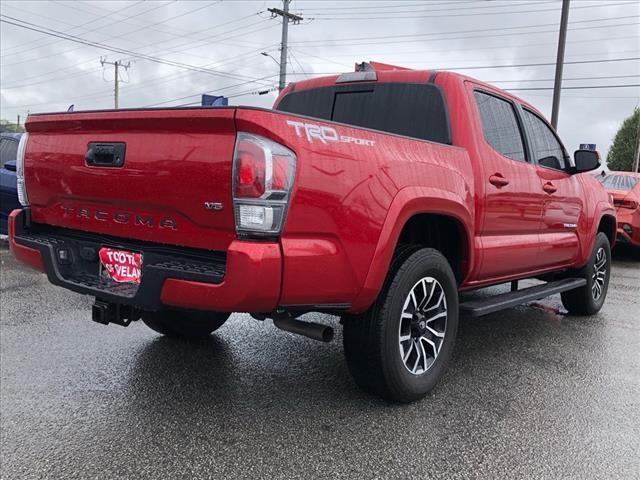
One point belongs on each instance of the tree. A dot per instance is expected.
(6, 126)
(621, 153)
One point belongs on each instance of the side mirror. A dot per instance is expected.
(586, 160)
(10, 165)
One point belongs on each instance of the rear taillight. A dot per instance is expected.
(22, 186)
(263, 173)
(630, 204)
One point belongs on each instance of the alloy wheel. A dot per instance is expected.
(423, 324)
(599, 275)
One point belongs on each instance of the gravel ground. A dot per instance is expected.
(530, 393)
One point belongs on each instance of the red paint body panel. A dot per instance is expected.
(341, 201)
(174, 162)
(252, 283)
(628, 216)
(26, 255)
(348, 206)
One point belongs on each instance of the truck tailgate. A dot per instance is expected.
(175, 161)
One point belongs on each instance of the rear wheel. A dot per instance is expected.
(400, 347)
(589, 299)
(184, 323)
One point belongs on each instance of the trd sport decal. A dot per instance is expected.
(325, 134)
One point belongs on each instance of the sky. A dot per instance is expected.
(176, 50)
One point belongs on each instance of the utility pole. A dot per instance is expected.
(286, 18)
(18, 121)
(636, 157)
(116, 65)
(557, 86)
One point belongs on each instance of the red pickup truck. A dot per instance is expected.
(376, 195)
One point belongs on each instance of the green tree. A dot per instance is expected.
(621, 153)
(6, 126)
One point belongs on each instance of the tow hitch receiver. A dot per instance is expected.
(106, 313)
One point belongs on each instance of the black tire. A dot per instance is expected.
(583, 301)
(372, 340)
(184, 323)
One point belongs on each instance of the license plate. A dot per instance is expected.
(120, 265)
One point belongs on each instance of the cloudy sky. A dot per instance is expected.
(178, 50)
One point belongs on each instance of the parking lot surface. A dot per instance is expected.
(530, 393)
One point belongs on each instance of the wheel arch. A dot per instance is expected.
(609, 226)
(412, 215)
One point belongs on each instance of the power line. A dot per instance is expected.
(92, 29)
(46, 74)
(160, 80)
(49, 80)
(367, 10)
(476, 67)
(150, 27)
(394, 5)
(21, 83)
(73, 38)
(481, 30)
(577, 62)
(185, 33)
(74, 27)
(635, 24)
(295, 58)
(235, 95)
(423, 51)
(473, 14)
(238, 32)
(564, 79)
(582, 87)
(189, 45)
(196, 94)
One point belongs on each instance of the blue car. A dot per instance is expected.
(8, 187)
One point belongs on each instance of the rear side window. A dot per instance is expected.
(8, 150)
(546, 149)
(619, 182)
(500, 126)
(413, 110)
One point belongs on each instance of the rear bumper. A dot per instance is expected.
(628, 226)
(623, 238)
(246, 278)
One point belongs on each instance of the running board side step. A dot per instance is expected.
(478, 308)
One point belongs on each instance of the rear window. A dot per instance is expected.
(413, 110)
(619, 182)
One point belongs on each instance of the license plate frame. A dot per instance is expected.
(120, 265)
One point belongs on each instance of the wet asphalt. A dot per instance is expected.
(530, 393)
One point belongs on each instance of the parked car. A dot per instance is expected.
(376, 195)
(625, 189)
(8, 190)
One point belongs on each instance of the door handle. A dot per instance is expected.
(549, 188)
(105, 154)
(498, 180)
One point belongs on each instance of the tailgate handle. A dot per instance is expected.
(105, 154)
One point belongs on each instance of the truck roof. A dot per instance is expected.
(391, 73)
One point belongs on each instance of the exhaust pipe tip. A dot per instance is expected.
(327, 336)
(315, 331)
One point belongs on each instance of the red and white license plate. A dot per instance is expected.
(120, 265)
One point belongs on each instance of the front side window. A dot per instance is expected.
(500, 126)
(547, 151)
